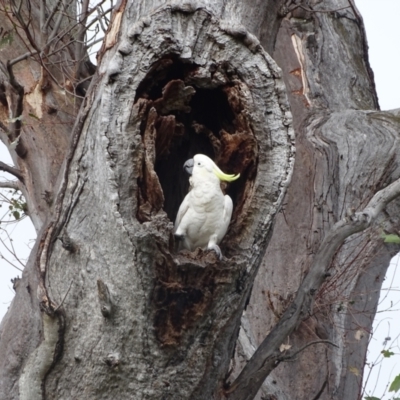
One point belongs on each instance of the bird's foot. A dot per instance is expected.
(179, 237)
(216, 248)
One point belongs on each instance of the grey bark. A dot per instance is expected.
(107, 309)
(342, 156)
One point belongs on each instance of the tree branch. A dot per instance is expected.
(22, 57)
(42, 21)
(52, 12)
(291, 356)
(11, 170)
(98, 18)
(79, 48)
(267, 356)
(9, 262)
(15, 98)
(10, 185)
(16, 12)
(59, 19)
(38, 49)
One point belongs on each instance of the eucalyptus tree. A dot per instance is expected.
(278, 91)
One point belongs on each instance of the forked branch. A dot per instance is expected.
(268, 355)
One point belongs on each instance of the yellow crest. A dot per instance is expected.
(225, 177)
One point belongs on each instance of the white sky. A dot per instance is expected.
(383, 30)
(381, 19)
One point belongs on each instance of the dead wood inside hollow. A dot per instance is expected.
(186, 112)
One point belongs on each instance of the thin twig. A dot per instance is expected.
(293, 355)
(66, 294)
(23, 57)
(21, 19)
(98, 18)
(95, 42)
(5, 259)
(10, 185)
(81, 30)
(61, 87)
(42, 20)
(12, 250)
(56, 36)
(58, 21)
(53, 11)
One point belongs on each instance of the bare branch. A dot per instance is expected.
(10, 185)
(291, 356)
(267, 356)
(53, 35)
(98, 19)
(15, 97)
(58, 21)
(59, 85)
(88, 46)
(12, 249)
(42, 20)
(16, 12)
(53, 46)
(22, 57)
(9, 262)
(11, 170)
(82, 29)
(52, 12)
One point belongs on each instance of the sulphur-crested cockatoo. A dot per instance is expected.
(205, 213)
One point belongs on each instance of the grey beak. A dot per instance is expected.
(188, 166)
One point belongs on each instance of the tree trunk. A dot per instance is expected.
(111, 310)
(345, 151)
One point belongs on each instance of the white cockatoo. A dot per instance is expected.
(205, 213)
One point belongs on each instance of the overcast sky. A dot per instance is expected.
(381, 18)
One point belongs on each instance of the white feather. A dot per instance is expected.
(205, 213)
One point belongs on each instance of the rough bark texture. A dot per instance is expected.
(111, 310)
(343, 155)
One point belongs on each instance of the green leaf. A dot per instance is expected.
(391, 238)
(16, 214)
(395, 386)
(371, 398)
(387, 353)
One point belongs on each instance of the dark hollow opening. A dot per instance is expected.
(210, 108)
(194, 116)
(184, 111)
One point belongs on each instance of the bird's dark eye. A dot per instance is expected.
(198, 163)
